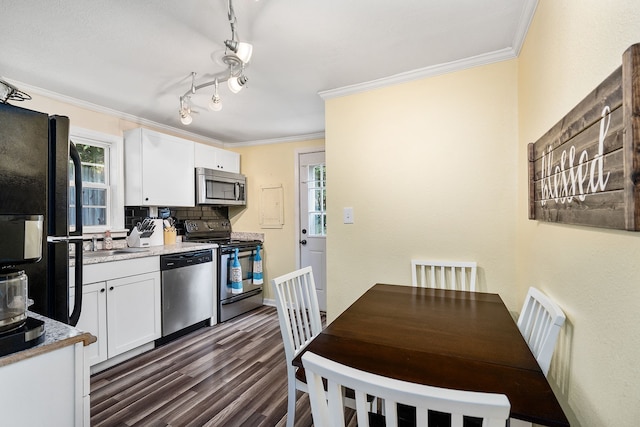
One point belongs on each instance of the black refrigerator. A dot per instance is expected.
(35, 157)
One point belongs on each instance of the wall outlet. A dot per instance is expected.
(347, 214)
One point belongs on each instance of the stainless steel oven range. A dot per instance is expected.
(218, 231)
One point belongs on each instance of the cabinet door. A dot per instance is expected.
(42, 390)
(205, 156)
(93, 319)
(228, 161)
(168, 171)
(133, 312)
(210, 157)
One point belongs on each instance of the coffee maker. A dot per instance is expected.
(20, 244)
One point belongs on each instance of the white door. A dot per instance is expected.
(313, 219)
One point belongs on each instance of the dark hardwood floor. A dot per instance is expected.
(232, 374)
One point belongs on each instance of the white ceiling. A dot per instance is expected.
(136, 57)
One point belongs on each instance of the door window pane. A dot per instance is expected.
(317, 200)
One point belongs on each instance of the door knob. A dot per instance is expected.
(303, 242)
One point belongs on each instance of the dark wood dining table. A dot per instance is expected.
(452, 339)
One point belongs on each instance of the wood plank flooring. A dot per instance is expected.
(232, 374)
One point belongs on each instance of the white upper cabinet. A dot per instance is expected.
(210, 157)
(159, 169)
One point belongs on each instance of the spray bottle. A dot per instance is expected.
(236, 275)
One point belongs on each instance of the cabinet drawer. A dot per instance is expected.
(115, 269)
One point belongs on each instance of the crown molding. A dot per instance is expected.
(421, 73)
(296, 138)
(448, 67)
(528, 12)
(111, 112)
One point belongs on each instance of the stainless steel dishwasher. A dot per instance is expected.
(188, 282)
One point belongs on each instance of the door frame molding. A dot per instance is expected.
(296, 169)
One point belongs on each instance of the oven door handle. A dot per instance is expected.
(241, 296)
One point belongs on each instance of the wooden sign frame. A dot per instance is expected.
(586, 169)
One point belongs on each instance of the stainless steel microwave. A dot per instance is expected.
(214, 187)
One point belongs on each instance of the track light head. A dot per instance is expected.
(237, 83)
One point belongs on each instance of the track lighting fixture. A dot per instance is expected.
(236, 58)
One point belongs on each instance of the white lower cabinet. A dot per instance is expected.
(93, 319)
(123, 310)
(50, 389)
(133, 312)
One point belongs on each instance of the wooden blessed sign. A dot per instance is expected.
(585, 170)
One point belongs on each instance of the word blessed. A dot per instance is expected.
(569, 180)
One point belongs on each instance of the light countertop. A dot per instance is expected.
(100, 256)
(56, 335)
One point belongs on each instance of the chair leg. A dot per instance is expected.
(291, 407)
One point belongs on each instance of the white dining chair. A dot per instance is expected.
(327, 409)
(539, 322)
(456, 275)
(299, 316)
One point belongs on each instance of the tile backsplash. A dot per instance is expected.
(135, 214)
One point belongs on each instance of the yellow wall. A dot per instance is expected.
(429, 167)
(266, 166)
(593, 273)
(437, 168)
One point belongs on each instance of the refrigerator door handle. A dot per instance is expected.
(77, 299)
(77, 165)
(52, 239)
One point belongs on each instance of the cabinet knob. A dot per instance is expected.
(111, 288)
(102, 290)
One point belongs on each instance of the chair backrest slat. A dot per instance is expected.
(454, 275)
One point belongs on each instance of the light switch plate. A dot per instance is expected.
(347, 214)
